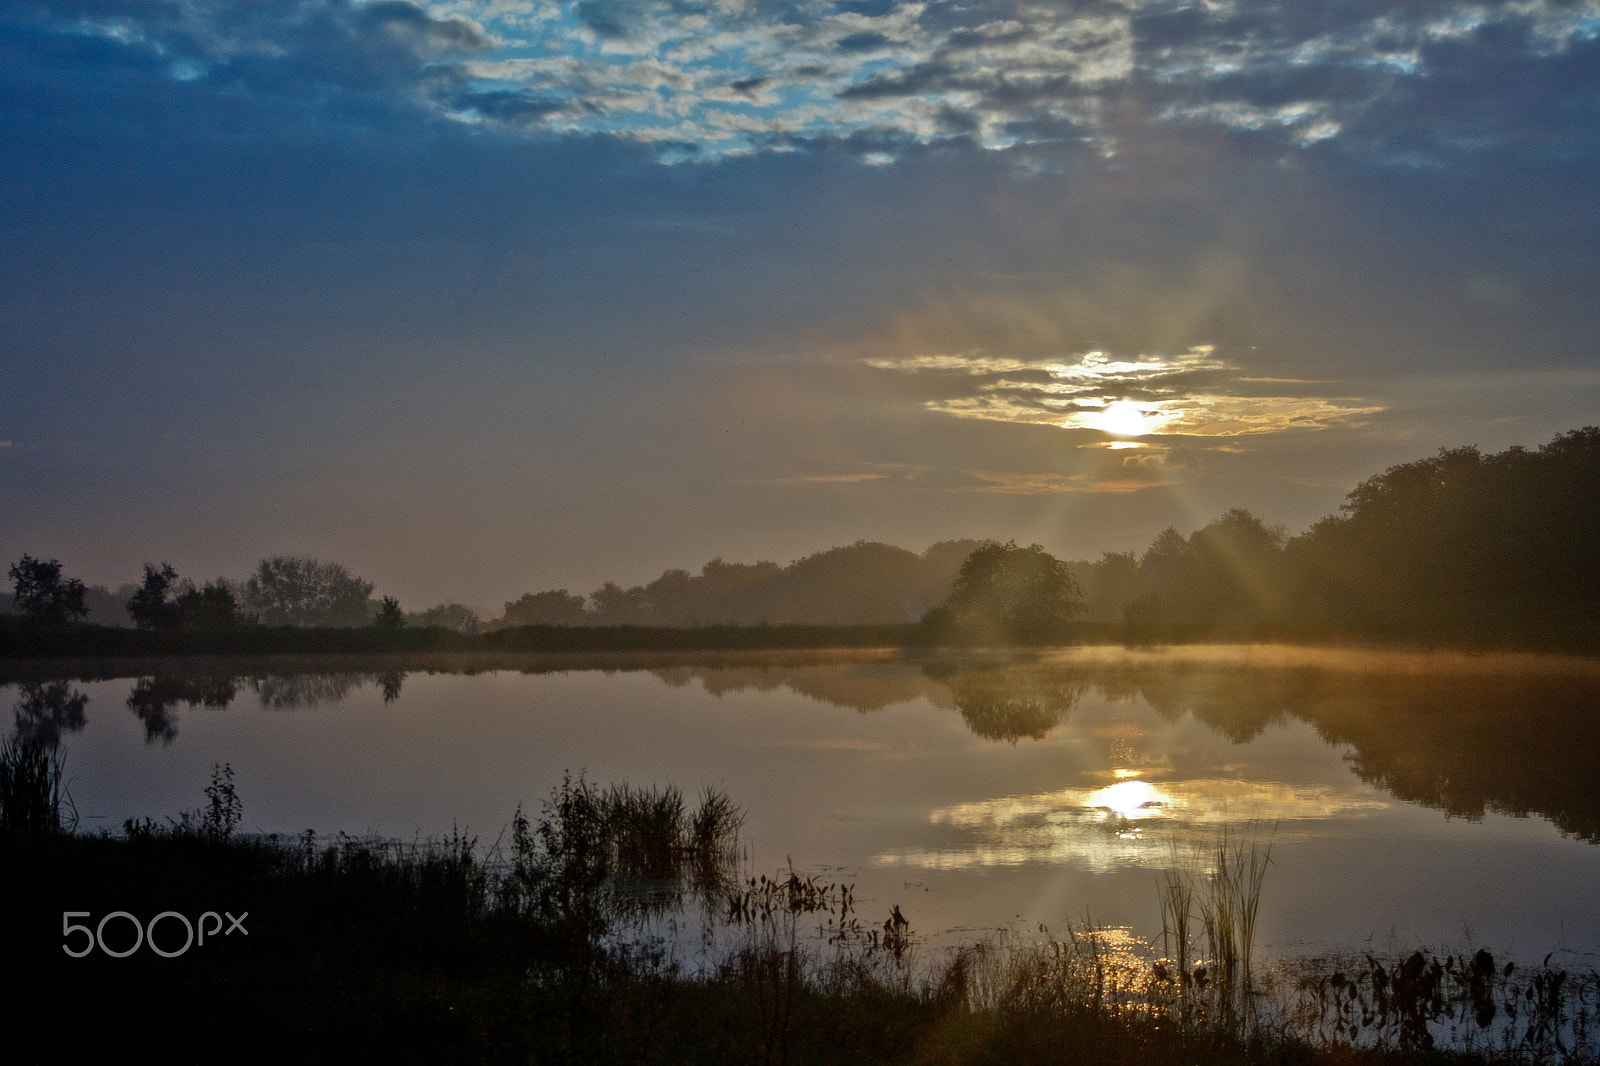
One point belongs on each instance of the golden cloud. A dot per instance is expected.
(1194, 393)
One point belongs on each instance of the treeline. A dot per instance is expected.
(291, 591)
(1457, 546)
(864, 583)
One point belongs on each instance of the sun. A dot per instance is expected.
(1127, 799)
(1123, 418)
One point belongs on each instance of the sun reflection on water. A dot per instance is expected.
(1132, 822)
(1128, 799)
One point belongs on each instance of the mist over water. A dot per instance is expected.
(1410, 799)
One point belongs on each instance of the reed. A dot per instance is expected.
(362, 950)
(1219, 889)
(33, 794)
(1176, 892)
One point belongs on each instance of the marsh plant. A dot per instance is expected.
(1464, 1002)
(542, 951)
(224, 810)
(601, 855)
(1093, 969)
(1209, 903)
(33, 793)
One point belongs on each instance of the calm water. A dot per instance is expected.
(1410, 800)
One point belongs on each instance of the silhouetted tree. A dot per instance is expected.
(1110, 584)
(1229, 572)
(616, 605)
(107, 607)
(43, 596)
(1004, 592)
(452, 616)
(1240, 575)
(303, 591)
(211, 606)
(1462, 540)
(389, 615)
(864, 582)
(150, 607)
(558, 607)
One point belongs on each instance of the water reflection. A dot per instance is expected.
(154, 697)
(1000, 703)
(1131, 823)
(291, 691)
(49, 709)
(1131, 800)
(390, 683)
(1467, 737)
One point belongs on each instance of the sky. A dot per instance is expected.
(484, 297)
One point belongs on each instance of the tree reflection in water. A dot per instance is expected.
(49, 709)
(1467, 736)
(153, 699)
(1010, 705)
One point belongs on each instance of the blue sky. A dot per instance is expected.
(487, 297)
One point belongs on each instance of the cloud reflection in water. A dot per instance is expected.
(1131, 823)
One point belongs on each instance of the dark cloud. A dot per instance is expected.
(611, 19)
(922, 79)
(861, 42)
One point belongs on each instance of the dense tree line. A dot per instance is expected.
(1462, 536)
(863, 583)
(1458, 543)
(282, 591)
(1455, 544)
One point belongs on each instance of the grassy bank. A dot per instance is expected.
(618, 926)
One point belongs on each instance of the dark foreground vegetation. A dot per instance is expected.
(618, 927)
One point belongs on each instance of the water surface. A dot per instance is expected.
(1409, 800)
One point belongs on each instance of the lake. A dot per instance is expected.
(1409, 799)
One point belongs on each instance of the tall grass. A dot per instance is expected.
(601, 854)
(33, 795)
(1218, 890)
(1229, 905)
(1176, 896)
(446, 951)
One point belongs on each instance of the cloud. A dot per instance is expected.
(1415, 84)
(826, 479)
(1193, 393)
(1024, 484)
